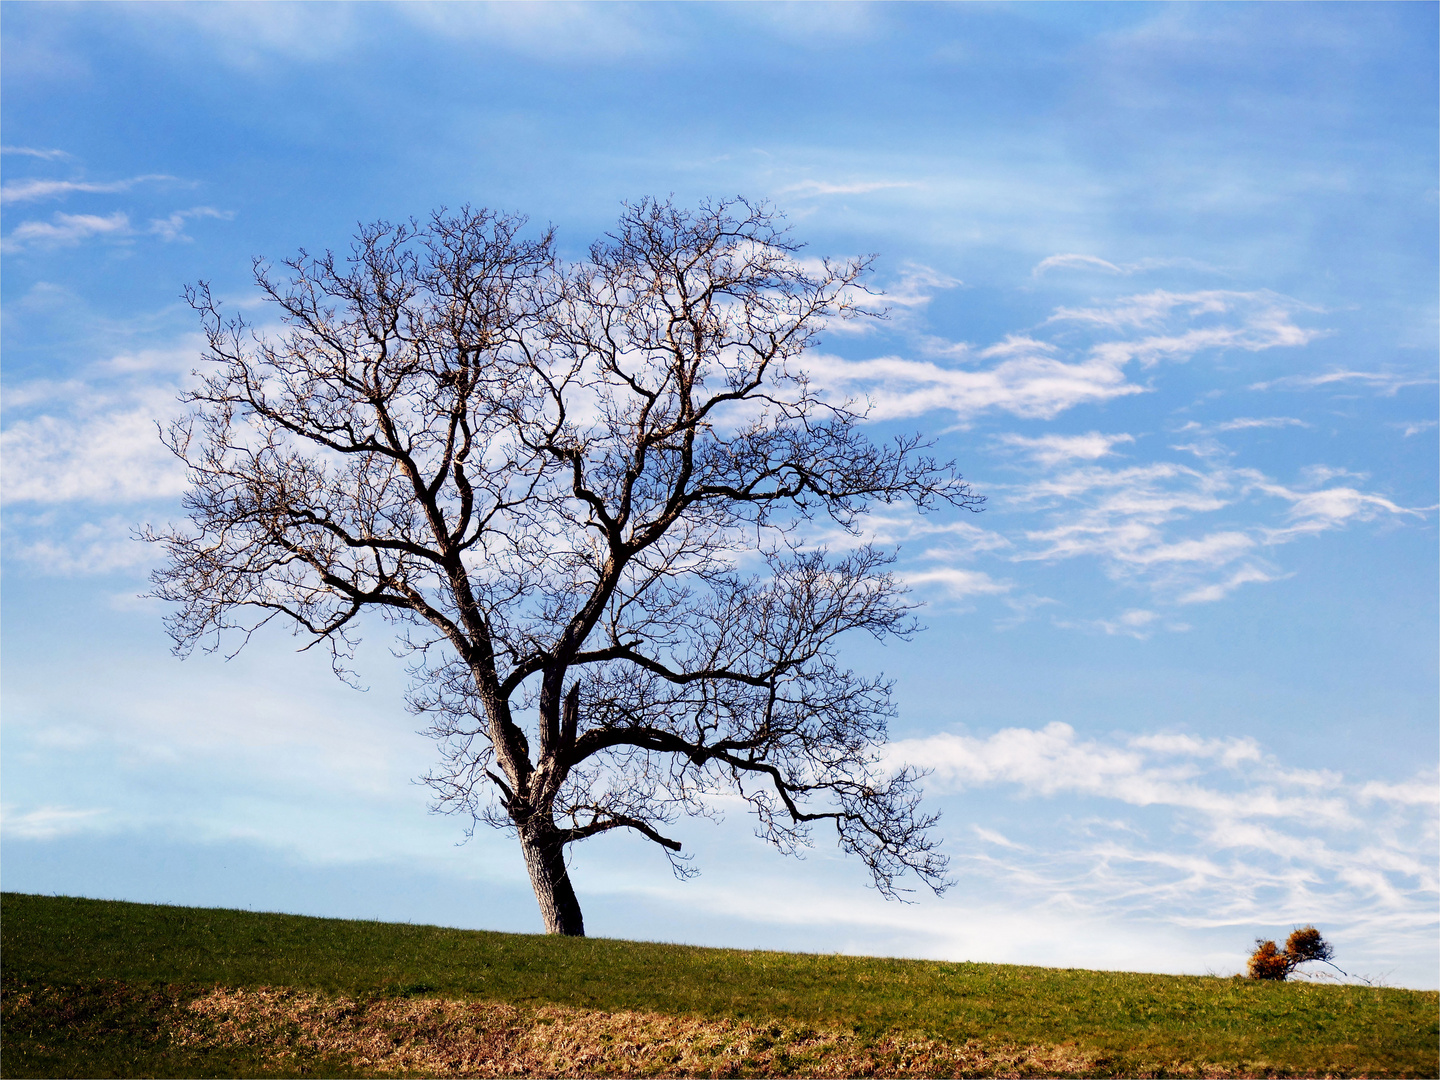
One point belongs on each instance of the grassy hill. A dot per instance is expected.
(102, 988)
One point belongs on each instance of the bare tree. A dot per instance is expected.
(582, 491)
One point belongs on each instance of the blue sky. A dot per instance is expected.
(1162, 280)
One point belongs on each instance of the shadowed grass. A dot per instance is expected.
(1117, 1023)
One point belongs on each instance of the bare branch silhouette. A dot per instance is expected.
(582, 491)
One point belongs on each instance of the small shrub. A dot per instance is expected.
(1268, 961)
(1307, 944)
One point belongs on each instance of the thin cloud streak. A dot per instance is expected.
(1200, 832)
(1075, 261)
(173, 227)
(824, 187)
(1052, 450)
(1032, 378)
(67, 230)
(33, 190)
(48, 822)
(1388, 383)
(1128, 518)
(31, 151)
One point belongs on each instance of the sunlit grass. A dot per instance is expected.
(138, 969)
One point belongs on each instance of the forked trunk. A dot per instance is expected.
(545, 859)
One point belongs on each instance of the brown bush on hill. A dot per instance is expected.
(1268, 961)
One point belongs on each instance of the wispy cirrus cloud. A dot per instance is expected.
(1314, 512)
(105, 450)
(94, 440)
(67, 230)
(1051, 450)
(1074, 261)
(1119, 513)
(1133, 519)
(1026, 379)
(1137, 623)
(35, 152)
(35, 190)
(1029, 376)
(916, 285)
(1388, 383)
(48, 822)
(1207, 831)
(173, 227)
(1218, 590)
(1245, 423)
(954, 582)
(1185, 324)
(887, 528)
(860, 187)
(1186, 531)
(1415, 427)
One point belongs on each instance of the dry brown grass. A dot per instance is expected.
(269, 1031)
(438, 1037)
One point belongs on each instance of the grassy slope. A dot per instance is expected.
(1132, 1019)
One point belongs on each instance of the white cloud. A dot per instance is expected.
(1414, 427)
(1033, 378)
(95, 448)
(954, 582)
(824, 187)
(1245, 423)
(1418, 792)
(1052, 760)
(1330, 508)
(1133, 519)
(1231, 751)
(1208, 594)
(1256, 321)
(94, 547)
(32, 190)
(1386, 382)
(1075, 261)
(889, 528)
(1188, 532)
(173, 227)
(31, 151)
(1028, 383)
(990, 836)
(1137, 623)
(1052, 450)
(916, 286)
(1152, 309)
(1198, 832)
(66, 230)
(1120, 513)
(48, 822)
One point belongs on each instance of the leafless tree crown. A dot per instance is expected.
(583, 491)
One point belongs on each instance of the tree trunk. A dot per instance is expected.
(545, 859)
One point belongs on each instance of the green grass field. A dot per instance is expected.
(101, 988)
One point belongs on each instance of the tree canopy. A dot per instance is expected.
(585, 493)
